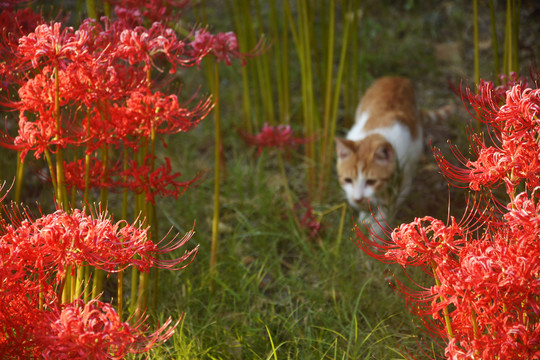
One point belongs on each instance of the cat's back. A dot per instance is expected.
(387, 101)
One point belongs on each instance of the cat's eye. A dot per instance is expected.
(348, 180)
(371, 182)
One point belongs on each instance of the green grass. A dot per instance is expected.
(275, 292)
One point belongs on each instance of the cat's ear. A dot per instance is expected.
(344, 148)
(384, 154)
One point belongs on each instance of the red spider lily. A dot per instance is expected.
(74, 173)
(52, 45)
(141, 179)
(162, 113)
(224, 46)
(281, 137)
(515, 160)
(93, 330)
(309, 220)
(142, 45)
(60, 240)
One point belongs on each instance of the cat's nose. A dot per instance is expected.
(358, 200)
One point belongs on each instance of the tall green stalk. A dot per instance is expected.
(19, 179)
(302, 38)
(494, 40)
(149, 209)
(332, 102)
(476, 44)
(217, 168)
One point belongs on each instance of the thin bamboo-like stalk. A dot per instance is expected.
(494, 40)
(331, 114)
(508, 38)
(278, 65)
(516, 10)
(264, 76)
(217, 169)
(243, 43)
(303, 45)
(476, 44)
(91, 9)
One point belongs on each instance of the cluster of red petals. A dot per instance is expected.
(153, 182)
(35, 254)
(224, 46)
(281, 137)
(309, 220)
(487, 266)
(99, 73)
(514, 157)
(161, 112)
(141, 45)
(59, 240)
(93, 331)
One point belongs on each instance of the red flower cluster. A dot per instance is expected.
(281, 137)
(486, 267)
(82, 93)
(93, 331)
(34, 258)
(224, 46)
(308, 219)
(514, 160)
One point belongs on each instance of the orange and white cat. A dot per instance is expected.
(377, 160)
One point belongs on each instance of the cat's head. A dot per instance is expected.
(364, 168)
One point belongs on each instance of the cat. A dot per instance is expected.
(377, 160)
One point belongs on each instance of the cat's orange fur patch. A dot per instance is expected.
(388, 100)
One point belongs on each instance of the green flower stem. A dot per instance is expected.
(19, 179)
(99, 275)
(217, 169)
(78, 290)
(87, 288)
(120, 293)
(446, 315)
(87, 164)
(149, 210)
(61, 194)
(120, 285)
(476, 332)
(51, 171)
